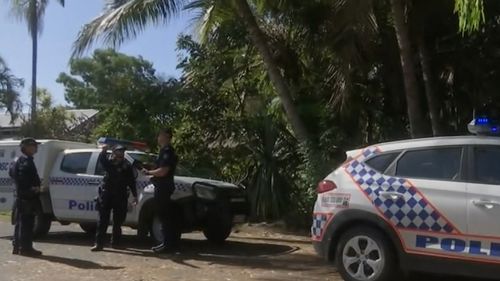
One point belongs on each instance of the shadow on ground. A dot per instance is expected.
(77, 263)
(247, 253)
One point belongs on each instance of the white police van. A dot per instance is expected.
(71, 175)
(430, 205)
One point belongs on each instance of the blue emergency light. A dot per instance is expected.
(132, 145)
(483, 126)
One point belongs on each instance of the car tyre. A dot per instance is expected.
(364, 254)
(42, 225)
(219, 224)
(89, 227)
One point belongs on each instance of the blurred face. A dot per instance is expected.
(164, 139)
(31, 150)
(119, 155)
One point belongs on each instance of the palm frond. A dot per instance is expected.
(125, 19)
(31, 12)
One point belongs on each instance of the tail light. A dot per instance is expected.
(325, 186)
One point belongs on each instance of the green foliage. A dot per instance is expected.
(53, 122)
(470, 14)
(340, 59)
(9, 90)
(133, 101)
(121, 20)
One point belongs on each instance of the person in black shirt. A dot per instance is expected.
(163, 180)
(114, 195)
(28, 184)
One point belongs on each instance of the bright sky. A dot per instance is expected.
(61, 25)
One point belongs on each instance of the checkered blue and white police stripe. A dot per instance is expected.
(411, 211)
(78, 181)
(320, 222)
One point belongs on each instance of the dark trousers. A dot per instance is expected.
(117, 204)
(24, 223)
(168, 212)
(15, 223)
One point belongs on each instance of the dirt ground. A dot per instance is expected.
(252, 253)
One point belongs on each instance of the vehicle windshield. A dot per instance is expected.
(150, 158)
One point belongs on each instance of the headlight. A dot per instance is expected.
(205, 192)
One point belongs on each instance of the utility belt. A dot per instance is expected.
(106, 193)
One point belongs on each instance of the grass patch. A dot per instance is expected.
(4, 216)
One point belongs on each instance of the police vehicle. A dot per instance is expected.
(430, 205)
(71, 176)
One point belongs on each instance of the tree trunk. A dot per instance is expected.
(430, 87)
(417, 121)
(261, 43)
(34, 37)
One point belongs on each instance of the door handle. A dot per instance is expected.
(394, 196)
(486, 204)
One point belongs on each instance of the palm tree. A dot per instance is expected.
(418, 126)
(32, 12)
(124, 19)
(9, 85)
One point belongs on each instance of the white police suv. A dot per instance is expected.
(71, 175)
(429, 205)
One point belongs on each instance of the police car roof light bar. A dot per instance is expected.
(483, 125)
(128, 144)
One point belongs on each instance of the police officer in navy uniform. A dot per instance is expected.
(163, 180)
(28, 184)
(114, 195)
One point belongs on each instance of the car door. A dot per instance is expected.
(73, 188)
(132, 211)
(434, 195)
(483, 201)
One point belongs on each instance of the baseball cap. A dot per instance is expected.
(29, 141)
(119, 148)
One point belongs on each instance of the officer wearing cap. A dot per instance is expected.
(27, 183)
(163, 180)
(113, 195)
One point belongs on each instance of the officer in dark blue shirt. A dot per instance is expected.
(163, 180)
(28, 184)
(114, 195)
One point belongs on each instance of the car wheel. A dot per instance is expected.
(89, 228)
(42, 225)
(364, 254)
(219, 225)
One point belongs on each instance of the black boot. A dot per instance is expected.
(157, 247)
(30, 252)
(15, 251)
(97, 248)
(165, 249)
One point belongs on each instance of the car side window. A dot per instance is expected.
(381, 162)
(486, 167)
(76, 163)
(436, 163)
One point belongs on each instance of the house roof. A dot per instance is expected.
(80, 116)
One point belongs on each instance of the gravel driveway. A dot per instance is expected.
(252, 253)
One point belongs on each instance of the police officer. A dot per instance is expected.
(114, 195)
(163, 180)
(27, 183)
